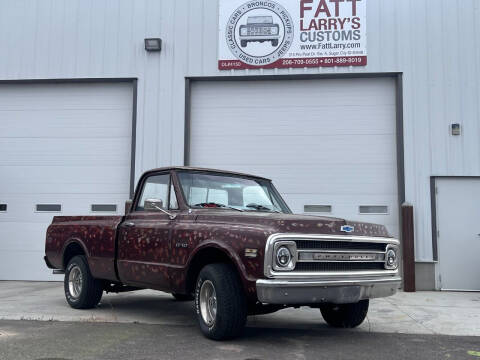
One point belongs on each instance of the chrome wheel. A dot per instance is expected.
(208, 303)
(75, 282)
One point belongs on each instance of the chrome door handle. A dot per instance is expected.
(129, 224)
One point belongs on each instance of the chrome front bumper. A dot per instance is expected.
(304, 292)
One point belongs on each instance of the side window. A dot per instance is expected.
(155, 187)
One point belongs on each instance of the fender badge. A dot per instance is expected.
(347, 228)
(251, 253)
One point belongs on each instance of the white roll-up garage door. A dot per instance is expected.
(64, 150)
(329, 145)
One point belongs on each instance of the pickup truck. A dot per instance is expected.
(259, 29)
(229, 242)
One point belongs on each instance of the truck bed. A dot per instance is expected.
(96, 235)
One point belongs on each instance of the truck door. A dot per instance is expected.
(144, 237)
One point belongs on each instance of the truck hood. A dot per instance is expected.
(290, 223)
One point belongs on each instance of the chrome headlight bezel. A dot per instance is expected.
(291, 246)
(388, 251)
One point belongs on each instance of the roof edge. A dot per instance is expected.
(200, 169)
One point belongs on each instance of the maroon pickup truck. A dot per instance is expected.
(228, 241)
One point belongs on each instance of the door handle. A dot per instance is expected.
(128, 224)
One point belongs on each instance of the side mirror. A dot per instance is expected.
(157, 205)
(153, 205)
(128, 206)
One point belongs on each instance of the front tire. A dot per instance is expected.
(220, 302)
(82, 290)
(345, 315)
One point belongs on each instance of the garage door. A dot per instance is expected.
(64, 150)
(329, 145)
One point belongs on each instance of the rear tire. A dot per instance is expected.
(274, 43)
(183, 297)
(82, 290)
(220, 302)
(345, 315)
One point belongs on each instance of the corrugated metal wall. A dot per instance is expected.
(434, 43)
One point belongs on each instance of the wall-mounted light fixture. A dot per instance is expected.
(455, 129)
(153, 44)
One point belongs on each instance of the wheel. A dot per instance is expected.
(82, 291)
(274, 42)
(345, 315)
(182, 297)
(220, 302)
(243, 43)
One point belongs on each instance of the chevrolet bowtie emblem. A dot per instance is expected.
(347, 228)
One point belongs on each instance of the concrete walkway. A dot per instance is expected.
(447, 313)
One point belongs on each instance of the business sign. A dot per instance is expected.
(291, 33)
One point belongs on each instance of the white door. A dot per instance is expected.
(329, 145)
(458, 236)
(64, 150)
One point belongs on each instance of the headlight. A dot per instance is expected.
(243, 31)
(284, 255)
(391, 257)
(274, 30)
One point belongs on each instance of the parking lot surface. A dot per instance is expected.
(27, 340)
(445, 313)
(36, 323)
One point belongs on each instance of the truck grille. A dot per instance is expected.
(339, 245)
(337, 266)
(338, 256)
(326, 256)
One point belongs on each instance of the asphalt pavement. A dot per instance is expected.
(27, 340)
(37, 323)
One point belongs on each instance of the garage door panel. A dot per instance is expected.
(48, 151)
(319, 140)
(67, 180)
(28, 240)
(293, 149)
(66, 145)
(69, 123)
(300, 93)
(67, 96)
(18, 265)
(21, 208)
(355, 120)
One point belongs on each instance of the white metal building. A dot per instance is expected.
(85, 109)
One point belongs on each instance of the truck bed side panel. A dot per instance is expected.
(96, 234)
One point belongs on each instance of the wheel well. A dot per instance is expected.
(202, 258)
(72, 250)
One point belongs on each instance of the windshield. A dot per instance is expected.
(203, 190)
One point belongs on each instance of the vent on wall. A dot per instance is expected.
(373, 209)
(104, 207)
(317, 208)
(48, 208)
(3, 207)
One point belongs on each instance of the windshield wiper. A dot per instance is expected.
(216, 205)
(261, 207)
